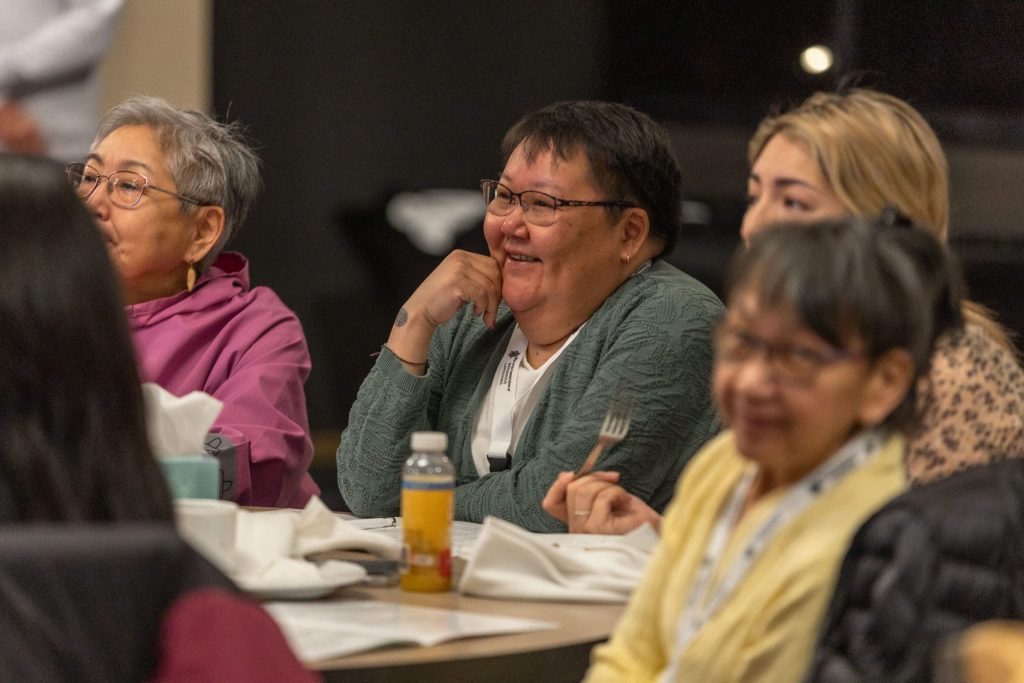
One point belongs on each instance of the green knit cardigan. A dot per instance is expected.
(653, 334)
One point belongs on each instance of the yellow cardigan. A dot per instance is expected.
(766, 630)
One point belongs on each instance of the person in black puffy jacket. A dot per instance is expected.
(932, 562)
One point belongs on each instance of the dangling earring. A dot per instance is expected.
(190, 277)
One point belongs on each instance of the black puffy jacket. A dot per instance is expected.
(926, 566)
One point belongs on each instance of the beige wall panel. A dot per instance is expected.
(162, 48)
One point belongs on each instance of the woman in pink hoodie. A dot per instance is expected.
(168, 188)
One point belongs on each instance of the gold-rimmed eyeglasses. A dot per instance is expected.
(125, 188)
(539, 208)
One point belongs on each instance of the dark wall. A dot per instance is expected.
(351, 100)
(713, 61)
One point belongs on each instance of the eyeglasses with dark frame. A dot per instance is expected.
(791, 362)
(125, 188)
(539, 208)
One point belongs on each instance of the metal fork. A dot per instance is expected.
(613, 429)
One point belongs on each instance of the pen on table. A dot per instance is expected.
(384, 523)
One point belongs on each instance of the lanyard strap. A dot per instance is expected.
(503, 386)
(703, 602)
(505, 389)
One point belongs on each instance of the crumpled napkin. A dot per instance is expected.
(510, 562)
(270, 546)
(178, 425)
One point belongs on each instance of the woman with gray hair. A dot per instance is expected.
(168, 188)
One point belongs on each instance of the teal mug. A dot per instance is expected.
(192, 476)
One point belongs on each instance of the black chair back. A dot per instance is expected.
(85, 602)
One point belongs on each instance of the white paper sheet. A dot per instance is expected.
(323, 630)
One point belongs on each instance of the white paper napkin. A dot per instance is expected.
(510, 562)
(270, 546)
(178, 425)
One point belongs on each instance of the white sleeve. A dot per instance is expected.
(73, 40)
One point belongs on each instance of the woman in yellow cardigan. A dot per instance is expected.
(827, 330)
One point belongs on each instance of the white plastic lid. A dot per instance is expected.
(429, 441)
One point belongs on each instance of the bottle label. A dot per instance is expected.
(428, 485)
(423, 560)
(444, 563)
(441, 561)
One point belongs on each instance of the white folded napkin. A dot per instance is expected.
(178, 425)
(270, 546)
(510, 562)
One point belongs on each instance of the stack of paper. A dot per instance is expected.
(323, 630)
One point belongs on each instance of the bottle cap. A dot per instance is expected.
(429, 441)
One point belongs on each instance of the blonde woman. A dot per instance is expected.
(865, 153)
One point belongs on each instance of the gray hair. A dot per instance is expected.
(209, 161)
(892, 287)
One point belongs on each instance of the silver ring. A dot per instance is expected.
(581, 513)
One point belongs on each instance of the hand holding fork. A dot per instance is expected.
(558, 501)
(613, 429)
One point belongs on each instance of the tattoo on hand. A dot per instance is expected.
(402, 318)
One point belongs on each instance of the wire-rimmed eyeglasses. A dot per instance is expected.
(125, 188)
(791, 362)
(539, 208)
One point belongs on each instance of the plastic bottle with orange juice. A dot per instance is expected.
(428, 497)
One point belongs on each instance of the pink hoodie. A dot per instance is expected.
(246, 348)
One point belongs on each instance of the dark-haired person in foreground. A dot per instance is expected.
(517, 354)
(74, 449)
(73, 443)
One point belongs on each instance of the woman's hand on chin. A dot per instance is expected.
(462, 277)
(596, 504)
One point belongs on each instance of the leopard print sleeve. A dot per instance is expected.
(971, 407)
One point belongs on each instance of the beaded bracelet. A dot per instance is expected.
(407, 362)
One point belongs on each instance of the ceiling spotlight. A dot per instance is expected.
(816, 59)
